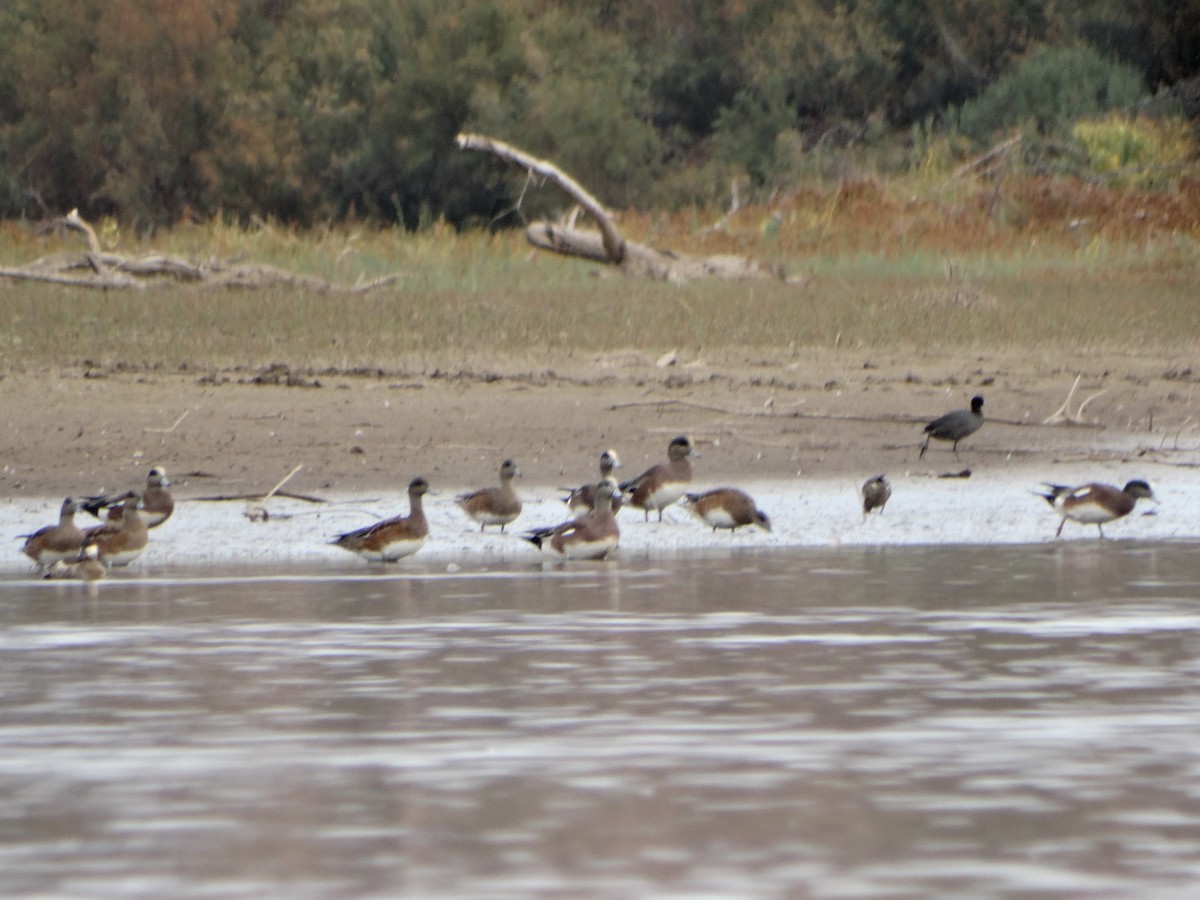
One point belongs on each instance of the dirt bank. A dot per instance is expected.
(754, 415)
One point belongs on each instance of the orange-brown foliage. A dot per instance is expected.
(874, 216)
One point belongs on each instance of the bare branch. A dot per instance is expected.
(608, 246)
(1063, 415)
(614, 244)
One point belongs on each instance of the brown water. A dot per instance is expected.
(898, 722)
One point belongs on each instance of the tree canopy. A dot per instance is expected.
(313, 110)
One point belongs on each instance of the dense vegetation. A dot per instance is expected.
(305, 111)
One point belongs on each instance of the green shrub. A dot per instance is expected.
(1049, 91)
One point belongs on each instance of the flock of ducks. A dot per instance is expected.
(64, 550)
(591, 532)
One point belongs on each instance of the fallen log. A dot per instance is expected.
(606, 245)
(100, 269)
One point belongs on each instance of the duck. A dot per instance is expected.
(727, 507)
(494, 505)
(395, 538)
(876, 492)
(87, 566)
(661, 485)
(157, 502)
(582, 499)
(956, 425)
(594, 536)
(1095, 503)
(52, 543)
(122, 541)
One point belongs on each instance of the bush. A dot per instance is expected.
(1050, 90)
(1140, 151)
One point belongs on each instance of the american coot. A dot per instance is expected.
(954, 426)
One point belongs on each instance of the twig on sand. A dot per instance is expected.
(770, 413)
(174, 425)
(225, 498)
(1063, 415)
(675, 401)
(256, 508)
(257, 512)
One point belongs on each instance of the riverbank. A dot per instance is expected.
(800, 430)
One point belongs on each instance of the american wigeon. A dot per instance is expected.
(876, 492)
(494, 505)
(1094, 504)
(594, 536)
(120, 542)
(954, 426)
(86, 566)
(157, 502)
(727, 507)
(49, 544)
(394, 538)
(582, 499)
(661, 485)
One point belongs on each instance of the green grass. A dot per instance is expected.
(474, 294)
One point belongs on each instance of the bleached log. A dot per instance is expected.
(613, 243)
(607, 245)
(112, 271)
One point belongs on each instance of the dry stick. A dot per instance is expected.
(271, 493)
(224, 498)
(783, 414)
(1063, 413)
(1178, 434)
(259, 512)
(1079, 412)
(985, 158)
(174, 425)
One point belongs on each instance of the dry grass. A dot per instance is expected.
(949, 266)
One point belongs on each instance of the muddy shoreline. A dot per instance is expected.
(806, 428)
(753, 415)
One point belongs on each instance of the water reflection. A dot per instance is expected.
(896, 721)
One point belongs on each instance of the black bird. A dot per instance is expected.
(954, 426)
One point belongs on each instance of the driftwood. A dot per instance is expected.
(607, 245)
(1063, 415)
(226, 498)
(97, 268)
(256, 505)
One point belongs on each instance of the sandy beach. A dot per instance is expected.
(800, 431)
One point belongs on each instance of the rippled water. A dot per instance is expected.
(878, 722)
